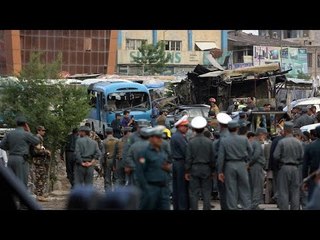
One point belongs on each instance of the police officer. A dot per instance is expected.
(223, 120)
(134, 137)
(41, 162)
(256, 165)
(178, 144)
(131, 159)
(108, 160)
(69, 153)
(199, 165)
(87, 153)
(234, 151)
(288, 154)
(119, 172)
(152, 173)
(311, 162)
(304, 119)
(17, 143)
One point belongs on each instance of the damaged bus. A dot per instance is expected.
(108, 98)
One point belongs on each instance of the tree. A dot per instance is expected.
(56, 106)
(152, 58)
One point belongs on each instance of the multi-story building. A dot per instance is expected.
(309, 39)
(186, 47)
(83, 51)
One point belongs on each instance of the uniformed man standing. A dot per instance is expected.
(108, 160)
(304, 119)
(131, 159)
(234, 152)
(87, 153)
(289, 154)
(152, 173)
(134, 137)
(69, 149)
(17, 143)
(161, 120)
(119, 173)
(256, 165)
(223, 120)
(178, 144)
(311, 162)
(41, 160)
(199, 165)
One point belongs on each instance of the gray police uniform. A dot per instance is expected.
(303, 120)
(311, 163)
(132, 158)
(289, 154)
(178, 144)
(108, 160)
(221, 186)
(152, 179)
(256, 174)
(85, 151)
(199, 163)
(17, 143)
(234, 151)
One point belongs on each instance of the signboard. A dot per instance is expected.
(290, 58)
(239, 65)
(176, 57)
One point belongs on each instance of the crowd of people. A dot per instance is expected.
(215, 157)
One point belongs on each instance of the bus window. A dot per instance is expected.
(127, 100)
(93, 99)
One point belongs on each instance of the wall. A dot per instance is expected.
(135, 34)
(207, 35)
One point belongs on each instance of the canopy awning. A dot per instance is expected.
(206, 45)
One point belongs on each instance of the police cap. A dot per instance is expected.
(21, 119)
(145, 131)
(261, 131)
(183, 121)
(288, 125)
(223, 118)
(108, 130)
(198, 122)
(143, 123)
(233, 124)
(85, 129)
(157, 131)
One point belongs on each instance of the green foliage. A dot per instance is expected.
(152, 58)
(56, 106)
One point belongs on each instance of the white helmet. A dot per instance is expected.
(223, 118)
(199, 122)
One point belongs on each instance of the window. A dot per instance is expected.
(173, 45)
(134, 44)
(318, 61)
(290, 33)
(87, 44)
(310, 60)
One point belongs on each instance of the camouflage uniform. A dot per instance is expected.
(108, 160)
(41, 166)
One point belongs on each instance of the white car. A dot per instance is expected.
(305, 102)
(309, 127)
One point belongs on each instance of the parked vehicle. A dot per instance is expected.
(109, 98)
(191, 110)
(305, 102)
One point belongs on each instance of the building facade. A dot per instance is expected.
(185, 47)
(309, 39)
(83, 51)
